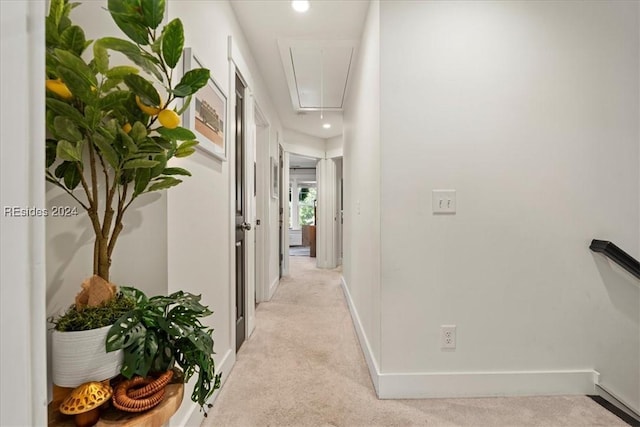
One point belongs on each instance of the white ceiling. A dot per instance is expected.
(265, 23)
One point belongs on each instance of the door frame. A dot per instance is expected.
(237, 65)
(263, 201)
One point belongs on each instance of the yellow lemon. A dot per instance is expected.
(169, 119)
(59, 88)
(126, 127)
(152, 111)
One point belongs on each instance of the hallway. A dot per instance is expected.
(303, 367)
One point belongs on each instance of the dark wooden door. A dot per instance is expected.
(241, 285)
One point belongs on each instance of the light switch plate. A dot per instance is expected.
(443, 201)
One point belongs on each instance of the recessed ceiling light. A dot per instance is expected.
(300, 5)
(326, 125)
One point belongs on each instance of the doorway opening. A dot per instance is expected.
(303, 204)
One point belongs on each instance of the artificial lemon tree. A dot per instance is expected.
(111, 131)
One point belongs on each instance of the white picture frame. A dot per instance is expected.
(207, 115)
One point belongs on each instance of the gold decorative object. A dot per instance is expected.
(140, 394)
(84, 402)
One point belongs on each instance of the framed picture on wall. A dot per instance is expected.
(275, 178)
(206, 115)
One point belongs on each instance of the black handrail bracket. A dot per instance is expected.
(617, 255)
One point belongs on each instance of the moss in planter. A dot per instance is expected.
(93, 317)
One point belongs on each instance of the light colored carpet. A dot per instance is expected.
(303, 367)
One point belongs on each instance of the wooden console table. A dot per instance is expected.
(154, 417)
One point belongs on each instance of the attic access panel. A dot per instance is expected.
(317, 72)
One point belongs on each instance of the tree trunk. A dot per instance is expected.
(104, 261)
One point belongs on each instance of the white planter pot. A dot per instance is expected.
(79, 357)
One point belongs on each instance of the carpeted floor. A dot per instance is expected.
(303, 367)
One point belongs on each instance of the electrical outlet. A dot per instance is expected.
(443, 201)
(448, 337)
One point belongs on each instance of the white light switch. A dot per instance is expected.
(443, 201)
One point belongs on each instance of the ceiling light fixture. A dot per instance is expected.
(327, 125)
(300, 5)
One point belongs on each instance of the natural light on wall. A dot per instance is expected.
(300, 5)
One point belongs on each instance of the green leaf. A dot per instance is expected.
(191, 82)
(93, 116)
(131, 146)
(126, 15)
(64, 109)
(150, 350)
(133, 358)
(52, 35)
(106, 150)
(144, 89)
(110, 84)
(68, 151)
(161, 142)
(62, 168)
(156, 46)
(162, 164)
(185, 105)
(143, 176)
(173, 328)
(140, 163)
(135, 294)
(77, 85)
(165, 182)
(176, 134)
(51, 145)
(125, 331)
(176, 171)
(172, 42)
(134, 53)
(121, 71)
(138, 132)
(113, 100)
(153, 12)
(101, 57)
(73, 39)
(186, 149)
(56, 9)
(66, 129)
(185, 153)
(72, 177)
(75, 63)
(65, 23)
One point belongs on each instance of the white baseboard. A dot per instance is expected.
(273, 287)
(193, 416)
(469, 384)
(486, 384)
(374, 371)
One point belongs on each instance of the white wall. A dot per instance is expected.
(361, 169)
(303, 144)
(334, 147)
(530, 111)
(23, 391)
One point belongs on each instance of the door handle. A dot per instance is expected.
(245, 226)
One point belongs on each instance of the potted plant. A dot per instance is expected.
(78, 342)
(164, 330)
(111, 133)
